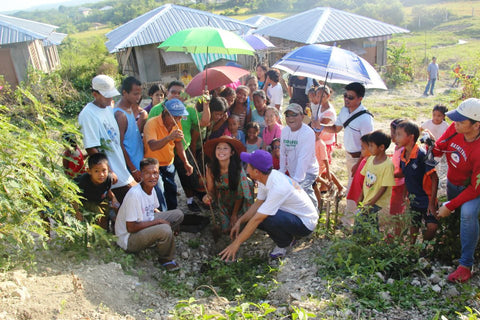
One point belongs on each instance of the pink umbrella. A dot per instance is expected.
(216, 77)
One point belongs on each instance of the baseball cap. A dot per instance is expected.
(294, 107)
(259, 159)
(176, 108)
(468, 109)
(105, 85)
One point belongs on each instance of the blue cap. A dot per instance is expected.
(176, 108)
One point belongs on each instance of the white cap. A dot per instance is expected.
(468, 109)
(105, 85)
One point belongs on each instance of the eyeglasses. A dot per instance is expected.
(346, 96)
(289, 115)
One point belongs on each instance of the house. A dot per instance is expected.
(260, 21)
(135, 43)
(365, 36)
(25, 42)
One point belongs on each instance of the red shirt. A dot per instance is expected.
(463, 160)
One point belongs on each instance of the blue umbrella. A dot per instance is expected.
(332, 63)
(258, 42)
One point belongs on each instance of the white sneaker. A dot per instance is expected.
(278, 253)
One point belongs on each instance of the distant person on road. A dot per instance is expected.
(432, 74)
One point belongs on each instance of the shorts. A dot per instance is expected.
(397, 202)
(421, 213)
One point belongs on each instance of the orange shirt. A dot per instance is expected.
(156, 130)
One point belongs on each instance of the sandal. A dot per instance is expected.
(171, 266)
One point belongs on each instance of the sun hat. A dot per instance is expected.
(468, 109)
(210, 145)
(259, 159)
(176, 108)
(105, 85)
(294, 107)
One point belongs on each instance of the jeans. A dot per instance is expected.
(307, 185)
(468, 224)
(169, 186)
(161, 199)
(283, 228)
(430, 86)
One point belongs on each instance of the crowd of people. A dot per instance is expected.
(238, 137)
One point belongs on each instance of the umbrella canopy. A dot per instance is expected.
(258, 42)
(217, 76)
(207, 40)
(332, 63)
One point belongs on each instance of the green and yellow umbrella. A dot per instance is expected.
(207, 40)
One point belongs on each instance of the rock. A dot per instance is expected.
(415, 282)
(436, 288)
(296, 296)
(281, 311)
(185, 255)
(199, 293)
(385, 295)
(19, 276)
(21, 293)
(434, 278)
(380, 276)
(452, 292)
(390, 281)
(424, 263)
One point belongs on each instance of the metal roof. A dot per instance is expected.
(157, 25)
(320, 25)
(14, 30)
(260, 21)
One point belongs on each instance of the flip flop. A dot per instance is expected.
(171, 266)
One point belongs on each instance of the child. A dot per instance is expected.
(275, 151)
(437, 125)
(232, 129)
(218, 118)
(95, 190)
(241, 108)
(397, 205)
(378, 182)
(253, 141)
(313, 102)
(229, 95)
(417, 174)
(73, 158)
(260, 103)
(272, 127)
(355, 191)
(157, 94)
(186, 77)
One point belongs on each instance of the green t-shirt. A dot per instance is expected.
(156, 110)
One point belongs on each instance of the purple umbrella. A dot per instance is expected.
(258, 42)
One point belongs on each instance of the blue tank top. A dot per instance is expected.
(132, 139)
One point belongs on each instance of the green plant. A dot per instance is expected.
(399, 67)
(247, 279)
(194, 243)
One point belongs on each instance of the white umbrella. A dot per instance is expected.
(334, 64)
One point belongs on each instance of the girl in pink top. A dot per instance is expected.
(272, 129)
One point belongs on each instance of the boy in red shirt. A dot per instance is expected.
(461, 145)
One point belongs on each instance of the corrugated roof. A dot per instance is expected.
(14, 30)
(320, 25)
(157, 25)
(55, 38)
(260, 21)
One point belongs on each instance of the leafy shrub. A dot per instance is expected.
(36, 196)
(399, 68)
(425, 18)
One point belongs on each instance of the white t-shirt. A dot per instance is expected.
(137, 206)
(356, 129)
(297, 152)
(283, 193)
(436, 129)
(100, 129)
(275, 94)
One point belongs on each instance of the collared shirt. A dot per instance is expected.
(156, 130)
(356, 129)
(416, 171)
